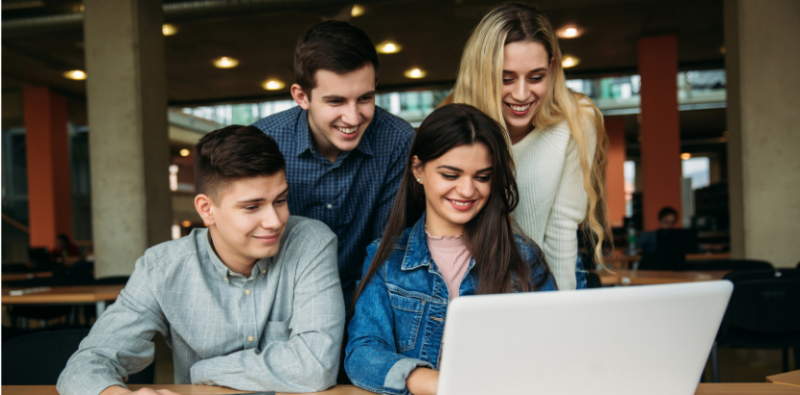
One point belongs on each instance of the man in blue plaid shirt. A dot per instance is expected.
(344, 156)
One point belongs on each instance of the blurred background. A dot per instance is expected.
(103, 102)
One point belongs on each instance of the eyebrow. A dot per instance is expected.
(258, 200)
(337, 97)
(539, 70)
(461, 171)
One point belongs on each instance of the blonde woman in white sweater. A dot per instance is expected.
(511, 70)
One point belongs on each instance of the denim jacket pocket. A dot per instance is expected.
(408, 313)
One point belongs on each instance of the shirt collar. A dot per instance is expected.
(303, 140)
(219, 267)
(417, 252)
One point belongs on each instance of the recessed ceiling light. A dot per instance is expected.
(415, 73)
(273, 85)
(569, 31)
(356, 11)
(168, 30)
(75, 75)
(185, 152)
(387, 47)
(569, 61)
(186, 223)
(686, 155)
(226, 62)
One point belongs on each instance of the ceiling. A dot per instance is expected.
(432, 34)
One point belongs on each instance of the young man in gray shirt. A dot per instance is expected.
(253, 302)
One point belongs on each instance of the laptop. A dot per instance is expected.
(628, 340)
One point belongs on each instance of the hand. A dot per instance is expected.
(423, 381)
(117, 390)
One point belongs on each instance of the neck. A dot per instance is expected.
(236, 263)
(322, 145)
(439, 227)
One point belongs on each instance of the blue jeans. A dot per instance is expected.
(580, 274)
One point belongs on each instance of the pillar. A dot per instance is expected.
(615, 171)
(128, 140)
(660, 127)
(761, 60)
(47, 149)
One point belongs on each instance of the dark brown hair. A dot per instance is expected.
(489, 236)
(233, 153)
(334, 46)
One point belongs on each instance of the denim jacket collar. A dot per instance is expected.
(417, 252)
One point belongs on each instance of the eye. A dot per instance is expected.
(250, 208)
(537, 78)
(449, 176)
(483, 178)
(367, 98)
(507, 80)
(280, 202)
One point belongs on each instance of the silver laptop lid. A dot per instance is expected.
(634, 340)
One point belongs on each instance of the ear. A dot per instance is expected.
(300, 96)
(203, 205)
(416, 167)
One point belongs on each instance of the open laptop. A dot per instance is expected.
(634, 340)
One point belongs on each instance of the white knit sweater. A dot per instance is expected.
(552, 197)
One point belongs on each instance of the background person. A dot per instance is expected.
(449, 235)
(667, 219)
(556, 136)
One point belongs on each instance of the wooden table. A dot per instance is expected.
(87, 294)
(651, 277)
(702, 389)
(25, 276)
(789, 378)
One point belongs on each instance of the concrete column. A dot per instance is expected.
(47, 149)
(661, 140)
(615, 170)
(761, 60)
(126, 89)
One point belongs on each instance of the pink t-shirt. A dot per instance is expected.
(451, 257)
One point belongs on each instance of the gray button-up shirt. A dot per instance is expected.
(279, 330)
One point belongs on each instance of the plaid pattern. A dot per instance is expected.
(279, 330)
(353, 195)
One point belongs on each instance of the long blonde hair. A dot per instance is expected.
(480, 84)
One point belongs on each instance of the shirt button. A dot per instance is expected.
(329, 206)
(250, 338)
(264, 271)
(247, 292)
(226, 279)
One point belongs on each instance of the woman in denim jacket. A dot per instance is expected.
(450, 234)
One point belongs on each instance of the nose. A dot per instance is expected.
(270, 219)
(520, 90)
(350, 115)
(466, 187)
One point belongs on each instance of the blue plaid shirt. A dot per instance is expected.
(353, 195)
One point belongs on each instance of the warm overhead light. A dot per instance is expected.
(75, 75)
(356, 11)
(569, 31)
(388, 47)
(722, 50)
(186, 223)
(414, 73)
(226, 62)
(185, 152)
(569, 61)
(686, 155)
(273, 85)
(168, 30)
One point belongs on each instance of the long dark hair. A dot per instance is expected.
(489, 236)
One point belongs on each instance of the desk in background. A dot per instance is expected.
(652, 277)
(86, 294)
(702, 389)
(789, 378)
(622, 261)
(8, 277)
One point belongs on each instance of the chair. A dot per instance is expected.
(730, 264)
(39, 358)
(763, 312)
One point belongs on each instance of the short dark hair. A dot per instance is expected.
(667, 211)
(233, 153)
(335, 46)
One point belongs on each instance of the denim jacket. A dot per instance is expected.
(399, 318)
